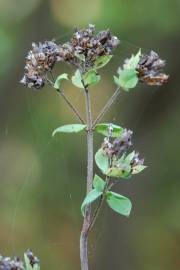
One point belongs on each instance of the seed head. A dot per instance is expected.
(122, 143)
(40, 59)
(119, 145)
(150, 69)
(85, 47)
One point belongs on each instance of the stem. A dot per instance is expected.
(107, 106)
(71, 107)
(98, 208)
(86, 223)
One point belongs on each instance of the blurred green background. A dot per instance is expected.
(42, 181)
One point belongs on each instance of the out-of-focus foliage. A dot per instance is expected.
(41, 183)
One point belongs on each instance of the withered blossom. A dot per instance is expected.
(122, 164)
(119, 145)
(6, 263)
(81, 51)
(86, 46)
(150, 69)
(40, 59)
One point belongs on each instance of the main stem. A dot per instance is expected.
(87, 218)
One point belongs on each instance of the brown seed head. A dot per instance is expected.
(150, 69)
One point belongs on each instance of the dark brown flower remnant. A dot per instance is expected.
(85, 47)
(32, 259)
(39, 61)
(122, 143)
(150, 69)
(119, 145)
(136, 160)
(7, 263)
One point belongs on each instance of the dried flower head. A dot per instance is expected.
(32, 259)
(7, 263)
(85, 47)
(119, 145)
(122, 143)
(39, 61)
(150, 69)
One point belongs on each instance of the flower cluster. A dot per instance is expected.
(150, 69)
(40, 59)
(119, 145)
(7, 263)
(86, 46)
(121, 164)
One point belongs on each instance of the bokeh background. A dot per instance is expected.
(42, 180)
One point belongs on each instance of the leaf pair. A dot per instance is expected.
(99, 128)
(89, 79)
(117, 202)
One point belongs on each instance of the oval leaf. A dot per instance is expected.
(59, 79)
(103, 129)
(98, 183)
(102, 61)
(77, 80)
(138, 169)
(102, 160)
(91, 77)
(69, 129)
(128, 79)
(129, 158)
(123, 171)
(91, 197)
(133, 61)
(119, 203)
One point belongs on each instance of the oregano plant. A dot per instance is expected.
(88, 52)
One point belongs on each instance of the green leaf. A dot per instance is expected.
(27, 263)
(129, 158)
(91, 197)
(36, 266)
(128, 79)
(103, 129)
(28, 266)
(102, 61)
(77, 79)
(133, 61)
(116, 80)
(98, 183)
(120, 172)
(138, 169)
(59, 79)
(119, 203)
(102, 160)
(69, 129)
(91, 77)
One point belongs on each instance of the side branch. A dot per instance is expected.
(68, 102)
(107, 106)
(71, 106)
